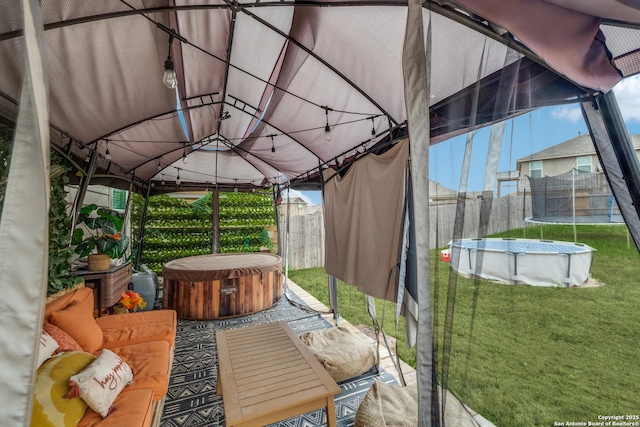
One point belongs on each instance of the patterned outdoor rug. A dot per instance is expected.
(192, 400)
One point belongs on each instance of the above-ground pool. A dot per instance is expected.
(523, 261)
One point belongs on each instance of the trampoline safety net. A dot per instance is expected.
(574, 197)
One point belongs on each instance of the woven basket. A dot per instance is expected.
(99, 262)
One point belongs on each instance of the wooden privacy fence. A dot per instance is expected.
(306, 232)
(306, 240)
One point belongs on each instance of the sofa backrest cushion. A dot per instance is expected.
(77, 320)
(80, 294)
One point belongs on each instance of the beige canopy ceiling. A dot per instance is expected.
(259, 81)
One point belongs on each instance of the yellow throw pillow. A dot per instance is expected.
(50, 408)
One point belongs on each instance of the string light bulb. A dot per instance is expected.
(159, 166)
(162, 182)
(107, 153)
(169, 77)
(178, 178)
(273, 148)
(373, 131)
(184, 155)
(327, 129)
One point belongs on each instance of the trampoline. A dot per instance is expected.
(574, 197)
(523, 261)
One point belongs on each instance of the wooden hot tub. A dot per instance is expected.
(222, 285)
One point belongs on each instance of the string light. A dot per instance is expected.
(169, 77)
(184, 155)
(162, 182)
(273, 148)
(178, 178)
(106, 153)
(373, 131)
(159, 166)
(327, 129)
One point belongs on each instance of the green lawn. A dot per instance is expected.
(536, 355)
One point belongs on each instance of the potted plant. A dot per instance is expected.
(104, 237)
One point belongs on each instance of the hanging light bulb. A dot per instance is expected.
(159, 166)
(373, 131)
(153, 184)
(169, 77)
(162, 182)
(178, 178)
(184, 155)
(273, 148)
(106, 153)
(327, 129)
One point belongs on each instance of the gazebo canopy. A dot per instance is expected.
(273, 92)
(257, 82)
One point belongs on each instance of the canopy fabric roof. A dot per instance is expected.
(281, 70)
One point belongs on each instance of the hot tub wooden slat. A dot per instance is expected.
(223, 297)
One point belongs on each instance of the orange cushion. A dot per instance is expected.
(131, 408)
(150, 363)
(78, 322)
(134, 328)
(66, 300)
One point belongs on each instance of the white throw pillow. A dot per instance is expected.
(100, 383)
(47, 346)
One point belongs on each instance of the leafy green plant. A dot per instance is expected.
(176, 228)
(60, 252)
(265, 240)
(105, 232)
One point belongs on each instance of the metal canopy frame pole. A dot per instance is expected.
(143, 220)
(276, 212)
(215, 221)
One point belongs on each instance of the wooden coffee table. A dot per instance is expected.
(266, 374)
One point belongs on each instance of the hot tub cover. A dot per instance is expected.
(220, 266)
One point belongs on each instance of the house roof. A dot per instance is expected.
(578, 146)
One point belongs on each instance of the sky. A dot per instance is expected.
(532, 132)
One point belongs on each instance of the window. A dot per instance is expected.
(535, 169)
(583, 164)
(118, 199)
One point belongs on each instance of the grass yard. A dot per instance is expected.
(536, 355)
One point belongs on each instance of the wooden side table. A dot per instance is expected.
(108, 284)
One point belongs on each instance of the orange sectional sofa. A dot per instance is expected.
(144, 340)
